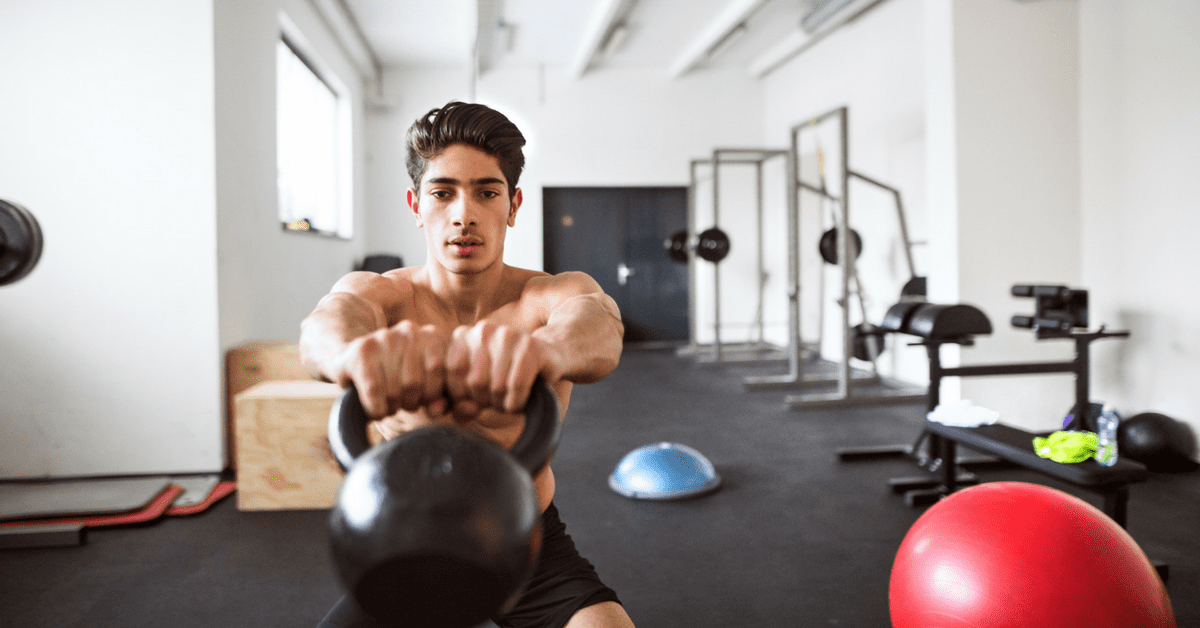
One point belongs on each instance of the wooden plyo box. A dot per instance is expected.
(283, 455)
(257, 362)
(254, 363)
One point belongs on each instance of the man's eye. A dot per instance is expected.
(490, 194)
(440, 194)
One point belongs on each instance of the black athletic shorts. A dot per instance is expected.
(562, 583)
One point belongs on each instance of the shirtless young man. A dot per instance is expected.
(467, 323)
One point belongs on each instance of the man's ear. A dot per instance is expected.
(411, 197)
(516, 204)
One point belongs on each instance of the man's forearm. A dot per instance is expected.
(586, 332)
(339, 318)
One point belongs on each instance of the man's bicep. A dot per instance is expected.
(572, 288)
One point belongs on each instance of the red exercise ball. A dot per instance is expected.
(1011, 554)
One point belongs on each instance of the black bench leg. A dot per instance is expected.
(944, 459)
(1116, 503)
(946, 450)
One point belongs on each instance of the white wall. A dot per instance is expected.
(111, 363)
(1004, 145)
(141, 134)
(1140, 128)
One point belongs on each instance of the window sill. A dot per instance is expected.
(292, 228)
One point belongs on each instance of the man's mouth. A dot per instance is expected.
(465, 245)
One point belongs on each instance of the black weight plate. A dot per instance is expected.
(866, 342)
(20, 242)
(713, 245)
(676, 247)
(828, 246)
(36, 229)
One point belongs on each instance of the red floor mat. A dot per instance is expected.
(155, 509)
(219, 492)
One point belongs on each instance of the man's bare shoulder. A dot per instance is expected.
(391, 290)
(558, 287)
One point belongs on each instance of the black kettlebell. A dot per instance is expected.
(438, 527)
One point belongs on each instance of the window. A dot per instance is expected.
(312, 146)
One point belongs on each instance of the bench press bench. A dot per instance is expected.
(1016, 445)
(1061, 313)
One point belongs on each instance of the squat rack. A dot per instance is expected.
(725, 352)
(844, 377)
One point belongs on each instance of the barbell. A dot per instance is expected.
(20, 242)
(712, 245)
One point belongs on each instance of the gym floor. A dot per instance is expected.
(793, 538)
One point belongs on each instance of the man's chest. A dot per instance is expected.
(514, 314)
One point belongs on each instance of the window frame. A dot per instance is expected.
(342, 196)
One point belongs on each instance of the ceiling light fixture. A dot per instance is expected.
(713, 39)
(616, 37)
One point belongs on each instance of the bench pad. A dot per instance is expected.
(1016, 445)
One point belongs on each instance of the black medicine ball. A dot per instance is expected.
(1157, 441)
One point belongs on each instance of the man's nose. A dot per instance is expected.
(464, 211)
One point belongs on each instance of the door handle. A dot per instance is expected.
(624, 273)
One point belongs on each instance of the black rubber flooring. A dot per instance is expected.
(794, 537)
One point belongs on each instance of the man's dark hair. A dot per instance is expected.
(471, 124)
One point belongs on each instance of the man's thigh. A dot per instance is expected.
(602, 615)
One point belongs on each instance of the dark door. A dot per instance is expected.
(616, 235)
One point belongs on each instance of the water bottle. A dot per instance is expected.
(1106, 451)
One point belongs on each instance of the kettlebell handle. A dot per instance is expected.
(348, 428)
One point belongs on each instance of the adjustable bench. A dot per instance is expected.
(1061, 312)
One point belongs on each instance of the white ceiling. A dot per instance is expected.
(533, 32)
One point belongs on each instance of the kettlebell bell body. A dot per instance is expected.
(439, 527)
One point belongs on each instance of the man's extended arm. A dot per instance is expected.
(339, 318)
(585, 332)
(355, 335)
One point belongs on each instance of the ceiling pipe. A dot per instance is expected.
(609, 16)
(346, 30)
(798, 40)
(823, 11)
(729, 21)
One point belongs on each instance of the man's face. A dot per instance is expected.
(464, 207)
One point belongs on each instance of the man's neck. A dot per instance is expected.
(467, 298)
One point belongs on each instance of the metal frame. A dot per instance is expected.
(720, 352)
(845, 378)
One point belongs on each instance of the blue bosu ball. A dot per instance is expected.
(664, 471)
